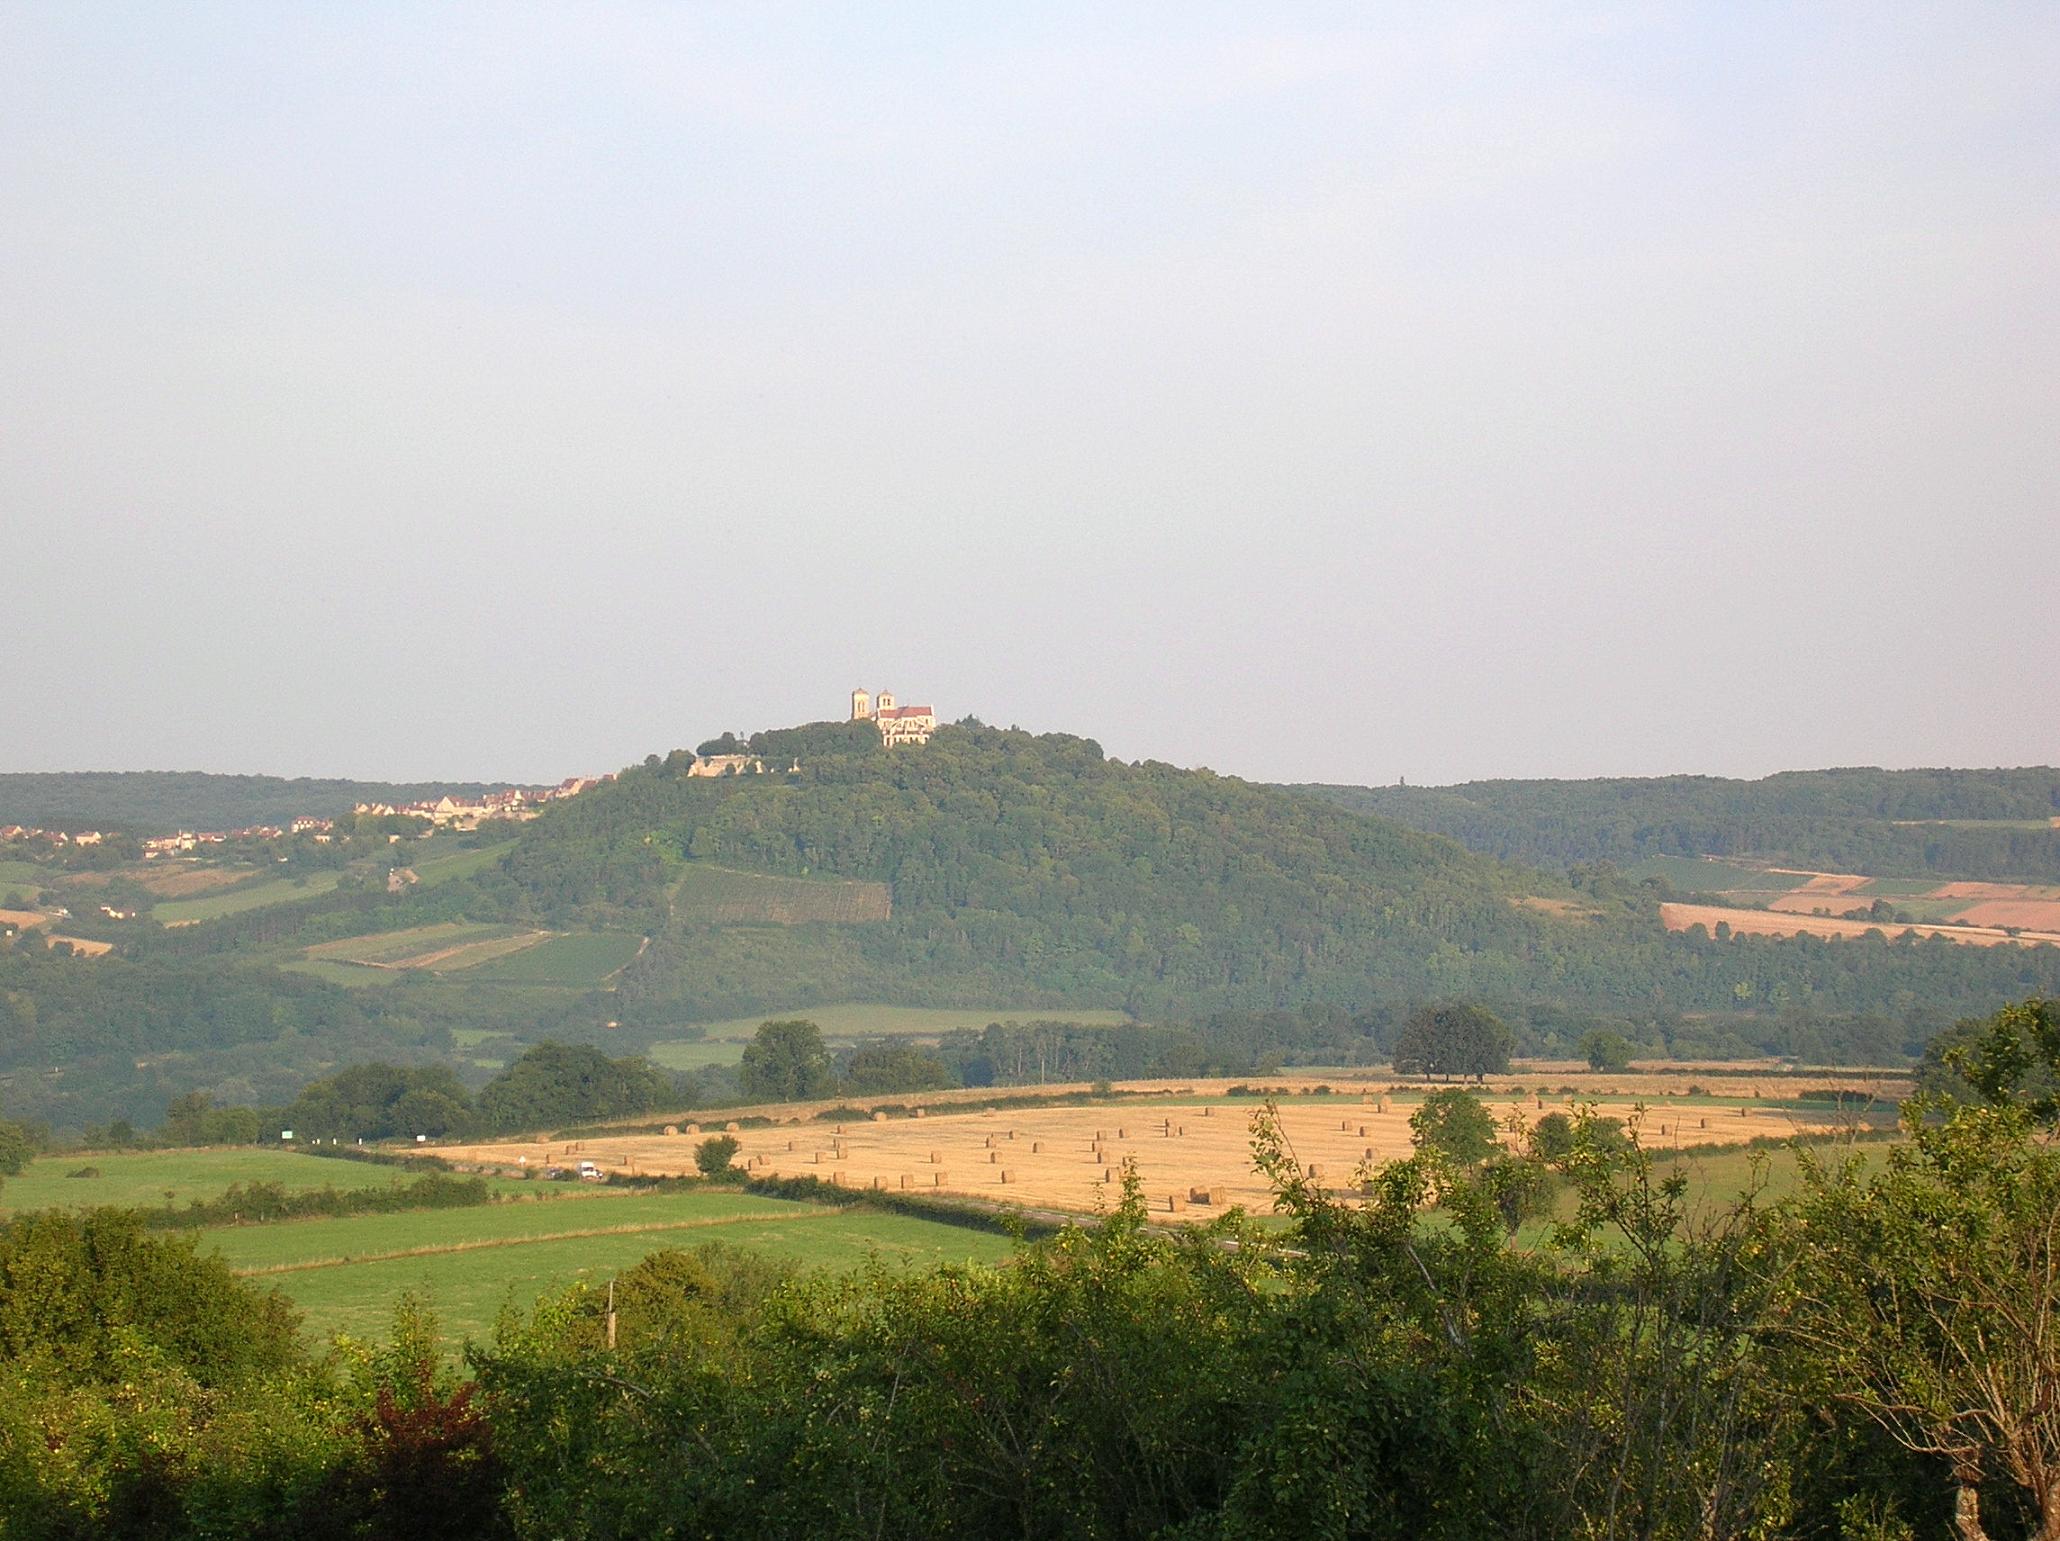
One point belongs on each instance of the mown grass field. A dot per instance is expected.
(140, 1179)
(447, 947)
(848, 1021)
(469, 1264)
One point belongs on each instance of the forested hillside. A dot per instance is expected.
(1986, 824)
(159, 802)
(1034, 869)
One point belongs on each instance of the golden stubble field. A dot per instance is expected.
(1193, 1155)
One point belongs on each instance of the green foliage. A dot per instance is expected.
(17, 1148)
(378, 1102)
(786, 1062)
(712, 1157)
(260, 1202)
(1455, 1124)
(194, 1120)
(1605, 1050)
(91, 1297)
(1396, 1364)
(557, 1084)
(1922, 1295)
(1458, 1039)
(893, 1067)
(1889, 822)
(781, 747)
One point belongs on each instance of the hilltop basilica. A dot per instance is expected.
(897, 724)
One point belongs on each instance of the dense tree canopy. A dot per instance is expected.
(1457, 1038)
(1955, 823)
(554, 1084)
(786, 1062)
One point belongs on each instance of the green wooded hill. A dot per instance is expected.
(1986, 824)
(1035, 869)
(988, 870)
(159, 802)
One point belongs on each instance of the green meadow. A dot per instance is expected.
(256, 896)
(346, 1274)
(142, 1179)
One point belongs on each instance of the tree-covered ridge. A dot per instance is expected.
(1036, 870)
(1890, 823)
(160, 802)
(1035, 862)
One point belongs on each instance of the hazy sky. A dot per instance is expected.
(500, 391)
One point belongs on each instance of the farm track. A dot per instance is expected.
(487, 1244)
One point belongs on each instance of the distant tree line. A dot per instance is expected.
(1873, 821)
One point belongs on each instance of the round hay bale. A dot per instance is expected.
(672, 1128)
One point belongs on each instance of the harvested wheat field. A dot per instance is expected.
(1680, 917)
(1193, 1157)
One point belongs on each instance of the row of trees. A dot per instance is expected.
(1888, 822)
(1868, 1357)
(549, 1085)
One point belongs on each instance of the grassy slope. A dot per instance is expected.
(235, 901)
(582, 960)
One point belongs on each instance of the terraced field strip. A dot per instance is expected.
(723, 896)
(573, 960)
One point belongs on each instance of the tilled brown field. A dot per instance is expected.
(1193, 1156)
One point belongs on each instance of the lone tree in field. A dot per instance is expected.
(786, 1062)
(713, 1155)
(1453, 1040)
(1605, 1050)
(1456, 1125)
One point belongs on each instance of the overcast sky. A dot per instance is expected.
(489, 391)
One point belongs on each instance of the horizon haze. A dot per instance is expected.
(1482, 392)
